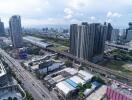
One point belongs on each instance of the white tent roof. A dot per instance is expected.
(85, 75)
(72, 71)
(87, 91)
(77, 80)
(65, 87)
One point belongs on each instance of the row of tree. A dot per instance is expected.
(12, 98)
(123, 55)
(81, 88)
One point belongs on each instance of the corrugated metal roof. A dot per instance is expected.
(65, 87)
(85, 75)
(72, 71)
(71, 82)
(77, 80)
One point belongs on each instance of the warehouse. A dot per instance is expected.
(85, 75)
(68, 86)
(54, 78)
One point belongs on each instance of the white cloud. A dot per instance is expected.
(53, 21)
(109, 20)
(92, 18)
(38, 9)
(113, 14)
(109, 14)
(80, 14)
(75, 21)
(68, 13)
(41, 11)
(67, 17)
(116, 15)
(78, 4)
(22, 6)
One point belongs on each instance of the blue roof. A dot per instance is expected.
(72, 83)
(97, 84)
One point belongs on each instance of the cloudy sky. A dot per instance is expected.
(64, 12)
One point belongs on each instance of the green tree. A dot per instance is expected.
(87, 85)
(80, 96)
(15, 98)
(56, 57)
(68, 63)
(81, 68)
(130, 52)
(80, 87)
(31, 63)
(19, 81)
(40, 75)
(9, 98)
(29, 96)
(34, 50)
(98, 79)
(0, 56)
(23, 65)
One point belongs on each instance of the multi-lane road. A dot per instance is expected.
(30, 83)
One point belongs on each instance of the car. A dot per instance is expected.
(43, 95)
(33, 84)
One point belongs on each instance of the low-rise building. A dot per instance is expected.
(85, 75)
(3, 75)
(13, 91)
(49, 66)
(35, 61)
(37, 41)
(119, 91)
(68, 87)
(98, 94)
(54, 78)
(64, 89)
(45, 66)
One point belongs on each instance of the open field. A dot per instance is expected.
(59, 47)
(119, 66)
(128, 66)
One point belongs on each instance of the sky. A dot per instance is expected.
(65, 12)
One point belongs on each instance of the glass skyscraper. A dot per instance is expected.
(15, 31)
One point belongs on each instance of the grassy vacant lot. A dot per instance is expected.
(59, 47)
(118, 66)
(122, 62)
(125, 56)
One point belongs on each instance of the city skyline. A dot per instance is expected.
(64, 12)
(65, 50)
